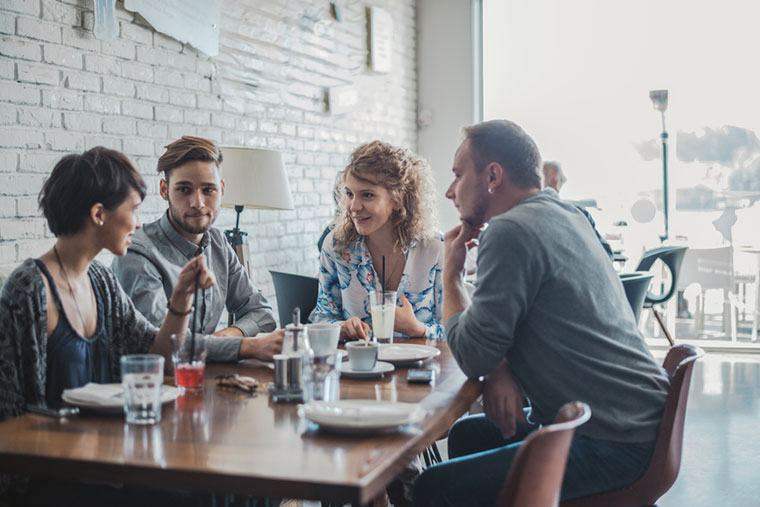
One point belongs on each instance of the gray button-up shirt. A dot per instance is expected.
(149, 272)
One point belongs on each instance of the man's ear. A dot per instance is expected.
(163, 189)
(221, 186)
(495, 172)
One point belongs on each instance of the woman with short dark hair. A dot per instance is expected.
(64, 318)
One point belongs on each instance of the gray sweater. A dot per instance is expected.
(549, 301)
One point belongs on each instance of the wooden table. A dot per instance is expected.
(227, 441)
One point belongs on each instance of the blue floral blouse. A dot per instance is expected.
(346, 277)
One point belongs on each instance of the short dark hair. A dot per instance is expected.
(506, 143)
(186, 149)
(78, 182)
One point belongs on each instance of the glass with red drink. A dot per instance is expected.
(189, 358)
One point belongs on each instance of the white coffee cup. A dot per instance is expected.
(323, 337)
(362, 355)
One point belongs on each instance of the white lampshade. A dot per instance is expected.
(254, 178)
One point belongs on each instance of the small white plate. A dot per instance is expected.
(379, 369)
(115, 404)
(361, 416)
(405, 353)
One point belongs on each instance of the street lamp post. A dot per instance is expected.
(660, 102)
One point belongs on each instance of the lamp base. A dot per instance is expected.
(239, 241)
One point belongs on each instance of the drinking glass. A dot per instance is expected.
(141, 378)
(321, 378)
(189, 361)
(382, 306)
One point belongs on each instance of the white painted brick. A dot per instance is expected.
(161, 57)
(82, 122)
(197, 117)
(165, 42)
(225, 121)
(27, 206)
(101, 104)
(104, 65)
(33, 248)
(152, 130)
(37, 162)
(118, 86)
(60, 98)
(60, 140)
(213, 102)
(25, 228)
(63, 55)
(39, 117)
(268, 126)
(168, 77)
(136, 33)
(34, 28)
(196, 82)
(82, 81)
(137, 146)
(53, 10)
(247, 124)
(137, 71)
(38, 73)
(7, 24)
(7, 207)
(8, 114)
(20, 48)
(170, 114)
(119, 47)
(112, 142)
(181, 98)
(80, 38)
(152, 92)
(7, 69)
(12, 137)
(8, 161)
(137, 108)
(7, 256)
(22, 6)
(119, 125)
(21, 184)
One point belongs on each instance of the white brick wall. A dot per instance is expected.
(63, 91)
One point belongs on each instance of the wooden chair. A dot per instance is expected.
(666, 460)
(535, 477)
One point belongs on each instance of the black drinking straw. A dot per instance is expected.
(195, 314)
(382, 281)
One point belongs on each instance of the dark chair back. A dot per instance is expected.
(672, 257)
(294, 291)
(535, 477)
(636, 286)
(666, 460)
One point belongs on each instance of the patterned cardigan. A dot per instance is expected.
(23, 336)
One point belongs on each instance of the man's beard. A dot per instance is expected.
(178, 221)
(477, 217)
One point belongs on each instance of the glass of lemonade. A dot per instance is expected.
(382, 306)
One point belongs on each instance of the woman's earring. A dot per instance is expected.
(490, 190)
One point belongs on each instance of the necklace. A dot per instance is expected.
(71, 291)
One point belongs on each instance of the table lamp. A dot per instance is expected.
(254, 178)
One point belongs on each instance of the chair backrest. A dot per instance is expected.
(672, 257)
(636, 286)
(535, 476)
(711, 268)
(294, 291)
(666, 459)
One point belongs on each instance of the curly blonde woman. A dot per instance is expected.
(386, 210)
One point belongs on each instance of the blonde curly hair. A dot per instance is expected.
(408, 179)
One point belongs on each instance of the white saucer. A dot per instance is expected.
(114, 404)
(379, 369)
(361, 416)
(405, 353)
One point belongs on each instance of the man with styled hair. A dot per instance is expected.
(192, 186)
(554, 177)
(548, 320)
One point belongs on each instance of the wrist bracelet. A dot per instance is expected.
(175, 312)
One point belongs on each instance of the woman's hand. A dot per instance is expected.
(405, 322)
(354, 328)
(182, 297)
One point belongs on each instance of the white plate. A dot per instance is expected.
(352, 416)
(405, 353)
(380, 368)
(115, 404)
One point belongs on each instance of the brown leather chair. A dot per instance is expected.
(666, 460)
(535, 477)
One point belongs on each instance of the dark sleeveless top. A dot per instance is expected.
(72, 359)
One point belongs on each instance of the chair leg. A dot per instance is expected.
(661, 322)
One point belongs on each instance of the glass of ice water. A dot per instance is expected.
(382, 307)
(141, 378)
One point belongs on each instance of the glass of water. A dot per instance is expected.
(141, 378)
(382, 307)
